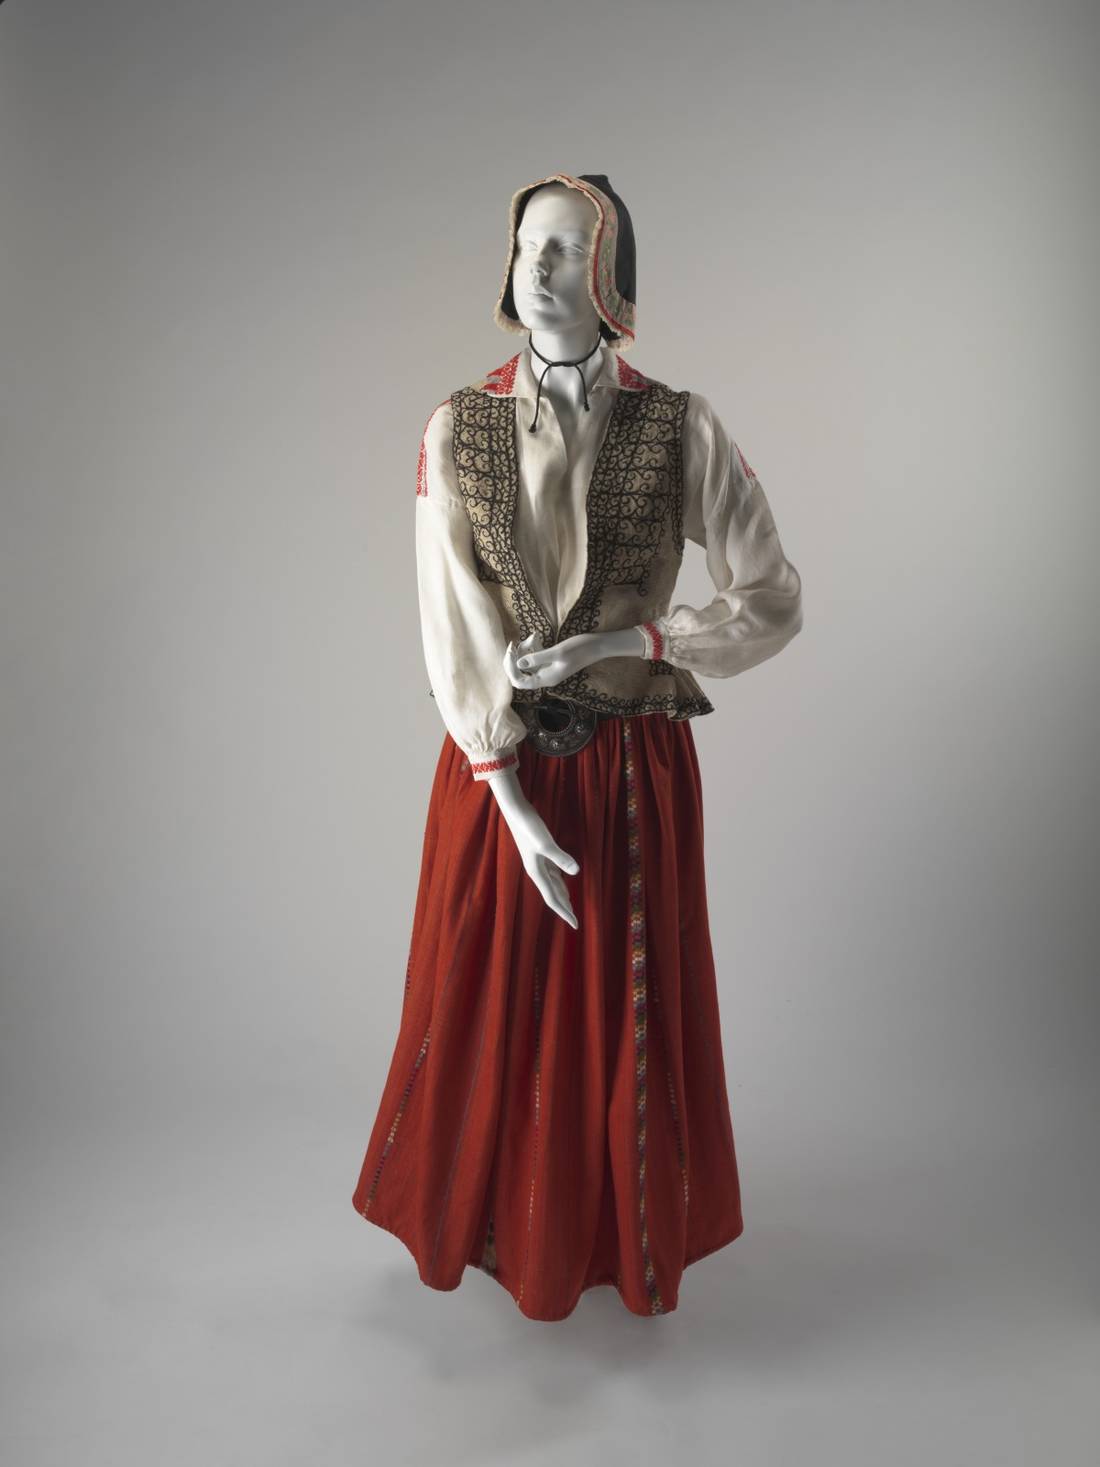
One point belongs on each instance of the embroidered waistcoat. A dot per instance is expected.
(634, 540)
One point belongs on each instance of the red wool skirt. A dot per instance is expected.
(555, 1111)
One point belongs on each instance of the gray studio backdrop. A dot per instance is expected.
(246, 248)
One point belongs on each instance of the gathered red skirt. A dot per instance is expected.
(555, 1111)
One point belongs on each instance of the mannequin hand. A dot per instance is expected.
(543, 859)
(531, 665)
(547, 666)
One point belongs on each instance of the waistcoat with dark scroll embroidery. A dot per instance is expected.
(634, 541)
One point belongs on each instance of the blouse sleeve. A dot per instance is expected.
(758, 605)
(461, 630)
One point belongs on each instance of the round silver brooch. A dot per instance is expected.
(558, 725)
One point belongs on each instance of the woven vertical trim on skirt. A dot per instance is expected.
(680, 1152)
(488, 1260)
(445, 1204)
(408, 980)
(640, 985)
(397, 1120)
(535, 1148)
(417, 1065)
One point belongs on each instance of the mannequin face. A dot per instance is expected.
(550, 270)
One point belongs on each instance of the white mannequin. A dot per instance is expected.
(551, 296)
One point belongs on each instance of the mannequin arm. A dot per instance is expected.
(757, 606)
(530, 665)
(543, 859)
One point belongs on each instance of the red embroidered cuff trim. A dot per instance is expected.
(488, 766)
(654, 641)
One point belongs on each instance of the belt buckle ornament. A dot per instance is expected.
(558, 725)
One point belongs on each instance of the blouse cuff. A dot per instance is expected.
(655, 638)
(483, 765)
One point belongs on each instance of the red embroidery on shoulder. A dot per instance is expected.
(422, 459)
(744, 463)
(501, 380)
(630, 377)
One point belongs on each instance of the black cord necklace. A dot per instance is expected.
(549, 364)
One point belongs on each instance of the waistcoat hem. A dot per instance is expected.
(676, 706)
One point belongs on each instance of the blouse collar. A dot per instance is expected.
(517, 377)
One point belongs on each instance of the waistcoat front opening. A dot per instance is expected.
(634, 541)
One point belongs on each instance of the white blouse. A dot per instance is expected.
(757, 608)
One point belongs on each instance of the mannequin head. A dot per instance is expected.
(550, 268)
(589, 207)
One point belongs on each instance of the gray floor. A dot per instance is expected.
(208, 1295)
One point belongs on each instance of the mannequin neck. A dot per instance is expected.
(557, 346)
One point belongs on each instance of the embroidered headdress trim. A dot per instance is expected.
(610, 259)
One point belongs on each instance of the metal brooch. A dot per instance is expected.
(558, 725)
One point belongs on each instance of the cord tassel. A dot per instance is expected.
(576, 363)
